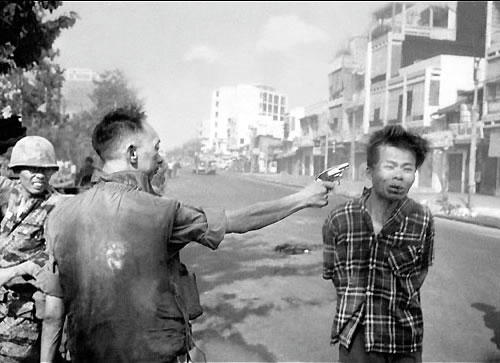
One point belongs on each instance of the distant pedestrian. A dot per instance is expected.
(175, 168)
(170, 169)
(377, 250)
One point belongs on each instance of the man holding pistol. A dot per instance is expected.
(128, 296)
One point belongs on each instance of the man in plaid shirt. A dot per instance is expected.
(377, 249)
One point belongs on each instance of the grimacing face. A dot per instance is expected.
(149, 159)
(35, 180)
(394, 173)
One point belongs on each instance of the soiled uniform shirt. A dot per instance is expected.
(111, 245)
(378, 277)
(22, 239)
(22, 224)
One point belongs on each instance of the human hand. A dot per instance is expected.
(316, 193)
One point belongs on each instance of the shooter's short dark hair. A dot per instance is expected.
(114, 126)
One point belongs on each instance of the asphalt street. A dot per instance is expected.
(262, 305)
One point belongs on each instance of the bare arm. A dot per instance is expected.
(262, 214)
(52, 327)
(9, 273)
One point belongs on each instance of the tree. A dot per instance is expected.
(113, 91)
(73, 139)
(26, 33)
(30, 82)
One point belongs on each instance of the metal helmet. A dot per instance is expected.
(33, 151)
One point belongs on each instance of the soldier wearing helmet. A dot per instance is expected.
(25, 203)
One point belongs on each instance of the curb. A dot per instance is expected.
(469, 221)
(495, 222)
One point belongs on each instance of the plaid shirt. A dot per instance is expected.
(378, 277)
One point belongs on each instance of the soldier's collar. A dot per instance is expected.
(136, 179)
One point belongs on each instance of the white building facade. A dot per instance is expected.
(240, 113)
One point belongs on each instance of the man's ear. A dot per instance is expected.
(132, 155)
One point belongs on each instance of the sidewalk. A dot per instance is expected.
(485, 209)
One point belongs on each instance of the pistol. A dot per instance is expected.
(334, 173)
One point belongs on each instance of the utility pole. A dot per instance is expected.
(326, 147)
(473, 137)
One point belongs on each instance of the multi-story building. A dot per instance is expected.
(309, 154)
(240, 113)
(287, 160)
(419, 56)
(491, 116)
(346, 104)
(77, 87)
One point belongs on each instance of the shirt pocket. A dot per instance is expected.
(405, 254)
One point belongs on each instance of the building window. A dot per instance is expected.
(217, 93)
(276, 99)
(275, 118)
(376, 115)
(440, 17)
(264, 107)
(282, 100)
(242, 141)
(409, 102)
(434, 93)
(275, 109)
(269, 97)
(282, 118)
(282, 110)
(216, 114)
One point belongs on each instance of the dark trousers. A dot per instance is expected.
(357, 353)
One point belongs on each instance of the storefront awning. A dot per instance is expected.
(451, 108)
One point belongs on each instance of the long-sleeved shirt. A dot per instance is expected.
(378, 277)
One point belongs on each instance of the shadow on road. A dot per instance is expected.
(491, 320)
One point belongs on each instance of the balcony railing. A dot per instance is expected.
(460, 130)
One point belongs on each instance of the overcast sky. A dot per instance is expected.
(176, 53)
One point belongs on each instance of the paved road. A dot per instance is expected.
(264, 306)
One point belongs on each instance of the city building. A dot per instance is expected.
(287, 161)
(77, 87)
(420, 56)
(491, 105)
(303, 154)
(241, 113)
(346, 80)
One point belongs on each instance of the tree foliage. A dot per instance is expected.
(73, 138)
(27, 32)
(30, 81)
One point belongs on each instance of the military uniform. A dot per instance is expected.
(24, 206)
(21, 239)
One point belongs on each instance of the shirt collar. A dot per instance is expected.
(404, 207)
(137, 179)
